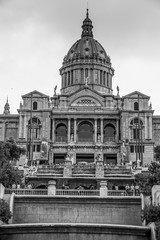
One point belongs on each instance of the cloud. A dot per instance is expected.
(35, 36)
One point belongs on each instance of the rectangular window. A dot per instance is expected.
(132, 149)
(38, 148)
(135, 133)
(139, 149)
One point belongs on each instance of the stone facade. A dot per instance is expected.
(86, 119)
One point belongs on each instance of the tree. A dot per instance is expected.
(147, 181)
(5, 213)
(151, 213)
(9, 175)
(157, 152)
(9, 151)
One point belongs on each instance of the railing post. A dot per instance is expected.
(52, 187)
(67, 170)
(103, 189)
(99, 168)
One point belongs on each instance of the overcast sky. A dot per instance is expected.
(35, 35)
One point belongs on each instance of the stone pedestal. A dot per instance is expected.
(50, 157)
(156, 195)
(99, 169)
(52, 187)
(2, 189)
(67, 170)
(103, 189)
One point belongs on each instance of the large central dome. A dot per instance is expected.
(87, 46)
(87, 59)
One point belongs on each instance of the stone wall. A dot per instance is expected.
(49, 209)
(73, 231)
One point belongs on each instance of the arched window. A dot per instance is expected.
(82, 75)
(72, 77)
(104, 77)
(136, 106)
(86, 72)
(35, 105)
(109, 133)
(101, 77)
(85, 132)
(61, 133)
(107, 79)
(65, 83)
(69, 80)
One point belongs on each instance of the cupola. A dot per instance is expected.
(87, 60)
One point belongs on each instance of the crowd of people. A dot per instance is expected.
(132, 189)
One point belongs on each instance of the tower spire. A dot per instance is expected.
(87, 26)
(87, 14)
(6, 108)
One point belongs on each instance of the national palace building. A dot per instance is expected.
(86, 120)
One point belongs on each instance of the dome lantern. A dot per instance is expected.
(87, 27)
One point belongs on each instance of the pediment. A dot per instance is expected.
(136, 94)
(35, 94)
(86, 97)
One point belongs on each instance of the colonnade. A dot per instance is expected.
(97, 138)
(78, 76)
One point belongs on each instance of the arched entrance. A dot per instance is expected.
(109, 133)
(85, 132)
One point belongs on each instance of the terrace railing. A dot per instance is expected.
(76, 192)
(27, 191)
(70, 192)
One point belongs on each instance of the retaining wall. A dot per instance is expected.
(58, 209)
(73, 231)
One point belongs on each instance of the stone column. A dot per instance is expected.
(52, 187)
(146, 128)
(53, 130)
(50, 157)
(20, 125)
(95, 130)
(150, 128)
(117, 131)
(75, 130)
(25, 128)
(69, 129)
(103, 189)
(63, 80)
(102, 130)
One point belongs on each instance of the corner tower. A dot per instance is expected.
(86, 62)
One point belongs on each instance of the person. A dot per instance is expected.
(137, 190)
(132, 188)
(127, 189)
(116, 187)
